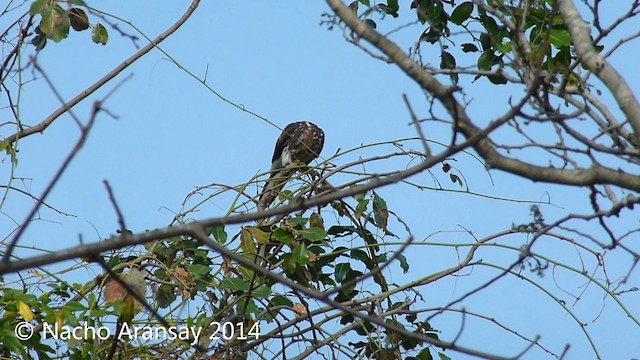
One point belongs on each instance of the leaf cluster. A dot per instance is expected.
(56, 22)
(492, 32)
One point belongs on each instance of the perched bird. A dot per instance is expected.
(299, 143)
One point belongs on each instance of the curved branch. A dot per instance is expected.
(596, 174)
(581, 39)
(41, 126)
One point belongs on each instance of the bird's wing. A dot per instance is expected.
(284, 140)
(299, 142)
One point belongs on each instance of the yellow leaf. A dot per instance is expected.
(260, 236)
(25, 311)
(127, 309)
(315, 220)
(58, 322)
(246, 241)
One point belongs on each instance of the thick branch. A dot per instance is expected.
(323, 297)
(125, 239)
(595, 175)
(581, 39)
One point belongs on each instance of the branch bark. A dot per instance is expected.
(583, 45)
(41, 126)
(596, 174)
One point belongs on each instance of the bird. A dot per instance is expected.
(300, 143)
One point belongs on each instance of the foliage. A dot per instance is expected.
(55, 22)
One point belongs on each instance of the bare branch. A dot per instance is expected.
(38, 128)
(76, 149)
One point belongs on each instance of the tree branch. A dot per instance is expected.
(581, 39)
(40, 127)
(596, 174)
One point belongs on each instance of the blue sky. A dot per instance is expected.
(172, 134)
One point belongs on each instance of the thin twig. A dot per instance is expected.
(416, 123)
(76, 149)
(38, 128)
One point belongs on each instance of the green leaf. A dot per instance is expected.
(365, 2)
(380, 211)
(313, 234)
(341, 272)
(443, 356)
(598, 48)
(285, 195)
(281, 300)
(298, 220)
(425, 354)
(561, 61)
(234, 284)
(365, 329)
(340, 230)
(75, 306)
(301, 254)
(246, 241)
(406, 227)
(361, 207)
(403, 263)
(506, 47)
(55, 23)
(10, 340)
(560, 38)
(99, 35)
(38, 6)
(485, 61)
(557, 20)
(430, 35)
(485, 41)
(469, 47)
(262, 291)
(198, 270)
(447, 61)
(461, 13)
(218, 233)
(490, 24)
(283, 236)
(499, 79)
(390, 8)
(359, 255)
(372, 24)
(260, 236)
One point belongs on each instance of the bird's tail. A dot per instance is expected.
(272, 188)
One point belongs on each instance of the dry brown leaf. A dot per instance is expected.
(227, 266)
(113, 291)
(182, 276)
(301, 310)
